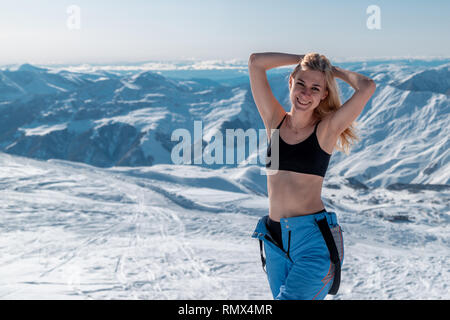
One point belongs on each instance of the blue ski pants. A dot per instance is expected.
(301, 269)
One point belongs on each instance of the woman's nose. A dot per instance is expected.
(306, 92)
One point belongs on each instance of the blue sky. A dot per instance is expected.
(137, 30)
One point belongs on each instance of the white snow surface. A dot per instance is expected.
(73, 231)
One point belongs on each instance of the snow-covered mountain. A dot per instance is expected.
(120, 221)
(107, 119)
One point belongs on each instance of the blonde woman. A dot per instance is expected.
(302, 241)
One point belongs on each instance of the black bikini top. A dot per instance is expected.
(304, 157)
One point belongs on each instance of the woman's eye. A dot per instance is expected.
(314, 88)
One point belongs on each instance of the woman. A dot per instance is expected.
(302, 241)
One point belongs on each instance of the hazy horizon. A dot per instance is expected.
(102, 32)
(207, 64)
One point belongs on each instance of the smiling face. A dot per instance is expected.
(307, 89)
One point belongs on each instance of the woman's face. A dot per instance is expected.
(307, 89)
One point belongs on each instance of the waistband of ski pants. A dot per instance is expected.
(309, 220)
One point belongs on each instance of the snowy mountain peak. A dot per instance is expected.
(30, 68)
(433, 80)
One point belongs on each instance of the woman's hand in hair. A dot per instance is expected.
(356, 80)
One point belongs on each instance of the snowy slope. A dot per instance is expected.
(72, 231)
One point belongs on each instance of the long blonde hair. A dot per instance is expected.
(318, 62)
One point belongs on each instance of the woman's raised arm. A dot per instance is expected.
(354, 79)
(270, 60)
(352, 108)
(268, 106)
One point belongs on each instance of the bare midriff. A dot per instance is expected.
(293, 194)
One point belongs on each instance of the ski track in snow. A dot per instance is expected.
(72, 231)
(140, 253)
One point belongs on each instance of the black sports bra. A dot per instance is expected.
(304, 157)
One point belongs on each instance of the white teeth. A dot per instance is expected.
(302, 103)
